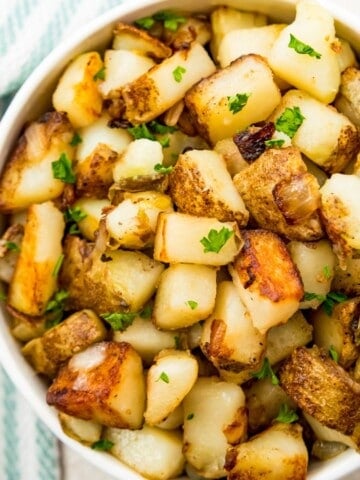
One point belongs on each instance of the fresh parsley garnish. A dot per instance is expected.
(302, 48)
(55, 308)
(72, 216)
(266, 372)
(103, 445)
(119, 320)
(274, 143)
(216, 239)
(177, 342)
(3, 297)
(75, 140)
(237, 102)
(146, 23)
(171, 20)
(190, 416)
(328, 301)
(12, 247)
(333, 354)
(164, 377)
(178, 73)
(161, 129)
(151, 130)
(192, 304)
(58, 264)
(160, 168)
(62, 169)
(326, 272)
(286, 415)
(100, 74)
(289, 121)
(141, 131)
(146, 312)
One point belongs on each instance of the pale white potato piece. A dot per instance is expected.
(315, 262)
(147, 340)
(314, 27)
(84, 431)
(231, 99)
(332, 146)
(122, 66)
(179, 239)
(104, 383)
(174, 420)
(192, 29)
(229, 338)
(266, 279)
(160, 88)
(77, 91)
(206, 442)
(327, 434)
(169, 380)
(34, 282)
(230, 153)
(152, 452)
(201, 185)
(348, 99)
(185, 295)
(10, 246)
(346, 55)
(27, 177)
(224, 19)
(278, 452)
(139, 158)
(93, 209)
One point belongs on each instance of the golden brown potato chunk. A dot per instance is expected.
(281, 195)
(104, 383)
(348, 99)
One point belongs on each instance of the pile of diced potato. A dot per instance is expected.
(181, 257)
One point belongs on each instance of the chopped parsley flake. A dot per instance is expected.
(302, 48)
(178, 73)
(62, 169)
(55, 308)
(157, 127)
(141, 131)
(286, 415)
(119, 320)
(266, 372)
(73, 215)
(171, 20)
(146, 23)
(274, 143)
(192, 304)
(164, 377)
(326, 272)
(100, 74)
(177, 342)
(159, 168)
(58, 264)
(237, 102)
(2, 297)
(103, 445)
(146, 312)
(289, 121)
(75, 140)
(12, 246)
(151, 130)
(328, 301)
(216, 239)
(190, 416)
(333, 353)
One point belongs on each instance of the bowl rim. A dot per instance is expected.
(21, 374)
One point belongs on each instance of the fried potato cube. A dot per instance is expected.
(310, 371)
(206, 442)
(104, 383)
(166, 83)
(93, 209)
(151, 451)
(266, 279)
(182, 238)
(34, 282)
(194, 29)
(77, 91)
(25, 327)
(170, 378)
(315, 262)
(185, 295)
(235, 162)
(348, 98)
(27, 177)
(278, 452)
(47, 353)
(132, 223)
(84, 431)
(331, 147)
(281, 195)
(231, 99)
(347, 277)
(201, 185)
(317, 72)
(229, 339)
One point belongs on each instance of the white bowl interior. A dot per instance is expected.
(34, 97)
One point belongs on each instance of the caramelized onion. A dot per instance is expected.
(325, 450)
(251, 142)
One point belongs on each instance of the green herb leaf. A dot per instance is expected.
(74, 229)
(308, 296)
(289, 121)
(119, 320)
(274, 143)
(146, 312)
(146, 23)
(237, 102)
(178, 73)
(171, 20)
(164, 377)
(286, 415)
(74, 214)
(333, 354)
(58, 264)
(62, 169)
(159, 168)
(3, 297)
(177, 342)
(55, 308)
(327, 272)
(164, 142)
(141, 131)
(216, 239)
(302, 48)
(192, 304)
(75, 140)
(266, 372)
(157, 127)
(12, 246)
(332, 298)
(190, 416)
(100, 74)
(103, 445)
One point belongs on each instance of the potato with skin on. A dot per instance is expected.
(332, 146)
(161, 87)
(347, 280)
(194, 29)
(34, 282)
(77, 91)
(266, 279)
(348, 98)
(232, 98)
(169, 379)
(104, 383)
(27, 176)
(281, 195)
(12, 237)
(152, 452)
(206, 442)
(93, 209)
(277, 452)
(77, 332)
(201, 185)
(25, 327)
(310, 371)
(315, 71)
(185, 295)
(183, 238)
(85, 431)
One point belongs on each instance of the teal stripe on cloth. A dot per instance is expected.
(47, 453)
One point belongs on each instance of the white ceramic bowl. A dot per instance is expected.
(34, 97)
